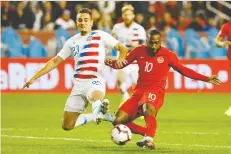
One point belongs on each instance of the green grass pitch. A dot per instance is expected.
(187, 123)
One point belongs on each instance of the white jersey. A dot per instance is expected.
(133, 34)
(89, 53)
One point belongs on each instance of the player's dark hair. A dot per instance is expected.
(154, 32)
(85, 10)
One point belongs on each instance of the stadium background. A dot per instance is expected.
(192, 120)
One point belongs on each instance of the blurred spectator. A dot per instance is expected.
(105, 23)
(75, 11)
(151, 23)
(48, 8)
(95, 17)
(186, 16)
(48, 25)
(58, 8)
(168, 22)
(211, 22)
(48, 15)
(159, 9)
(151, 11)
(23, 18)
(140, 19)
(5, 14)
(38, 17)
(199, 7)
(65, 21)
(187, 11)
(199, 23)
(220, 22)
(174, 7)
(106, 6)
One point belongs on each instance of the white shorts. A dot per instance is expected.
(131, 71)
(78, 99)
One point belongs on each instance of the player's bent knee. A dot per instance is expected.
(149, 110)
(96, 95)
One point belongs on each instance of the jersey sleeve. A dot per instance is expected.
(65, 52)
(108, 40)
(177, 66)
(223, 31)
(114, 30)
(132, 55)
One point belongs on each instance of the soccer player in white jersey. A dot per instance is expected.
(130, 34)
(88, 49)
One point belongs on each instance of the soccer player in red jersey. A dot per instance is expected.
(225, 32)
(154, 63)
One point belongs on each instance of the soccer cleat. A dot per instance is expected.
(97, 118)
(105, 106)
(146, 144)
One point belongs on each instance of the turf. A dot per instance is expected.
(187, 123)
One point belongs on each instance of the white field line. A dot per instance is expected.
(194, 133)
(108, 141)
(164, 132)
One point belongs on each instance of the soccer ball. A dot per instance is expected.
(121, 134)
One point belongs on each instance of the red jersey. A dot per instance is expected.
(153, 70)
(226, 31)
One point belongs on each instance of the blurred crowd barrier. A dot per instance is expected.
(188, 44)
(15, 72)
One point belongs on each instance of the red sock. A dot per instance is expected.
(150, 125)
(137, 129)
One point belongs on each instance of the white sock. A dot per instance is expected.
(83, 119)
(148, 138)
(112, 119)
(96, 107)
(124, 90)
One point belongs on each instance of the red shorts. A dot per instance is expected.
(133, 106)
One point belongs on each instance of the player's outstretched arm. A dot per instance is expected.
(176, 65)
(197, 76)
(123, 52)
(112, 63)
(50, 65)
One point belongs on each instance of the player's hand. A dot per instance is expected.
(214, 80)
(28, 83)
(108, 61)
(120, 63)
(227, 44)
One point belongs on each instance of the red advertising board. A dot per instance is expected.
(14, 73)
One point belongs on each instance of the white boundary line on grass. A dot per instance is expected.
(107, 141)
(164, 132)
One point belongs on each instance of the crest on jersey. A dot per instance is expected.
(160, 59)
(89, 38)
